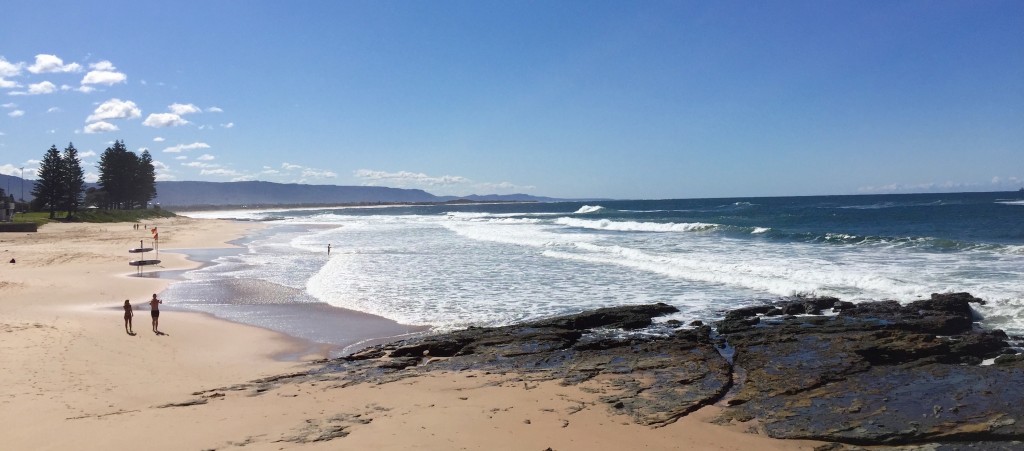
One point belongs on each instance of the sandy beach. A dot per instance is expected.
(71, 378)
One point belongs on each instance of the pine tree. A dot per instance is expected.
(145, 180)
(49, 190)
(127, 179)
(117, 170)
(74, 180)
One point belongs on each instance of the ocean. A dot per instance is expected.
(457, 265)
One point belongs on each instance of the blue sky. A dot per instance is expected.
(616, 99)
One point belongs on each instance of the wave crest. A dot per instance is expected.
(588, 209)
(633, 226)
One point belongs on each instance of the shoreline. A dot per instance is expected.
(66, 361)
(65, 354)
(320, 329)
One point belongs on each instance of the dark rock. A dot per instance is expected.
(628, 317)
(900, 405)
(806, 305)
(1009, 359)
(731, 325)
(879, 373)
(843, 305)
(793, 308)
(876, 373)
(746, 312)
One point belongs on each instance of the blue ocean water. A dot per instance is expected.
(451, 266)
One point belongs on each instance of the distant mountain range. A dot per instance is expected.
(12, 185)
(269, 193)
(211, 194)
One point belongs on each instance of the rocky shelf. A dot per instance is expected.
(868, 374)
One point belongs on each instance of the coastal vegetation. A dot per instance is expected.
(96, 215)
(127, 182)
(60, 183)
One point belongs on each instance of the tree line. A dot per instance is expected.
(126, 181)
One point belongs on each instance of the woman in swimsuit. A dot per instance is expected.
(128, 317)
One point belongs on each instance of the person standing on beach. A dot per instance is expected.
(154, 306)
(128, 314)
(328, 249)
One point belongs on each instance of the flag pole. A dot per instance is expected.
(156, 241)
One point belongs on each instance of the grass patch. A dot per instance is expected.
(38, 218)
(42, 217)
(120, 215)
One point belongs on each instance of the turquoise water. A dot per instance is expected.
(450, 266)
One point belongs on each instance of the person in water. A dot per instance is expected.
(128, 314)
(154, 305)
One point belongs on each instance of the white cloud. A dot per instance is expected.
(244, 178)
(221, 172)
(8, 84)
(164, 120)
(10, 169)
(9, 69)
(115, 109)
(51, 63)
(997, 183)
(306, 172)
(103, 73)
(85, 89)
(200, 164)
(185, 147)
(318, 174)
(100, 127)
(9, 105)
(103, 65)
(205, 157)
(87, 154)
(158, 139)
(504, 186)
(92, 177)
(228, 125)
(163, 171)
(54, 110)
(16, 113)
(43, 87)
(403, 178)
(181, 157)
(183, 109)
(214, 109)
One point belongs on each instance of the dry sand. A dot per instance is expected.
(71, 378)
